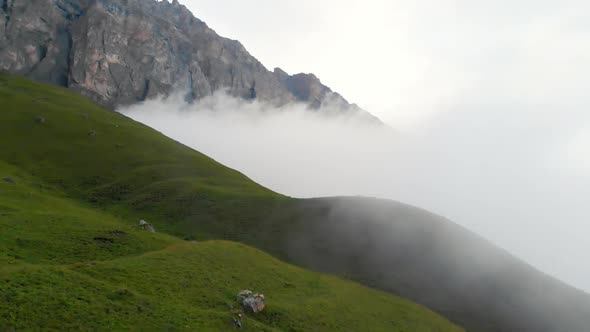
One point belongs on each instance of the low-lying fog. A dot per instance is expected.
(518, 174)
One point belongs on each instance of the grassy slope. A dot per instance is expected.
(71, 256)
(133, 171)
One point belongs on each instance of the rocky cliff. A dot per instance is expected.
(118, 52)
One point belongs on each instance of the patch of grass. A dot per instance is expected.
(41, 226)
(126, 168)
(192, 286)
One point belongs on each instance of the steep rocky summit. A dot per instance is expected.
(118, 52)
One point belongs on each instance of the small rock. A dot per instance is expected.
(8, 180)
(84, 116)
(252, 302)
(243, 295)
(39, 119)
(92, 133)
(237, 323)
(146, 226)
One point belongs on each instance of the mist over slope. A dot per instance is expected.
(76, 178)
(419, 255)
(515, 173)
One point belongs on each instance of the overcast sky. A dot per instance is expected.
(403, 59)
(490, 99)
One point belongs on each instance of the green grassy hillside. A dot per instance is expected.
(78, 179)
(64, 265)
(104, 158)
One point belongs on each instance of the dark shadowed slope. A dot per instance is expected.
(426, 258)
(105, 161)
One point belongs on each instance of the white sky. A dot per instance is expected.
(403, 59)
(490, 97)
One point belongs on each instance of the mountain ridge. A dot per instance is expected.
(118, 52)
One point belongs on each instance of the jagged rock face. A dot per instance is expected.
(35, 39)
(118, 52)
(307, 87)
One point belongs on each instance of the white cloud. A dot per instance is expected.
(502, 170)
(490, 98)
(403, 59)
(578, 151)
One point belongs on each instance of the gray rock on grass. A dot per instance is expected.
(252, 302)
(146, 226)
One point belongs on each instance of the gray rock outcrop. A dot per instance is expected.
(118, 52)
(146, 226)
(252, 302)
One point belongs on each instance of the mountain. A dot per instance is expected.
(72, 256)
(119, 52)
(83, 174)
